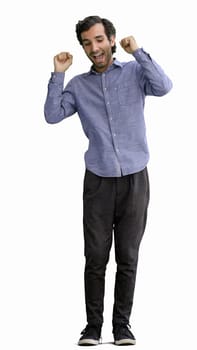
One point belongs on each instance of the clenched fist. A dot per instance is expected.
(62, 61)
(129, 44)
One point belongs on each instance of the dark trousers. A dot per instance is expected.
(113, 205)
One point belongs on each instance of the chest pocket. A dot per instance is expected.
(128, 94)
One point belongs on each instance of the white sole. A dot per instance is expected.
(125, 342)
(88, 342)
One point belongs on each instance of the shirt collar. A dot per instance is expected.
(115, 64)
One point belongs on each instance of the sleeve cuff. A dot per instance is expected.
(141, 55)
(57, 77)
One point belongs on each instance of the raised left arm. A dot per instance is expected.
(151, 76)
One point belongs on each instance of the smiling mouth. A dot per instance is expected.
(98, 58)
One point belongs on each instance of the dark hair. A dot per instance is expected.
(89, 21)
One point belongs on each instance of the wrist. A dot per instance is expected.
(135, 49)
(56, 70)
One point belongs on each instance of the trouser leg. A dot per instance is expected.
(98, 223)
(130, 221)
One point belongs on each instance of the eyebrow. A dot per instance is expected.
(96, 37)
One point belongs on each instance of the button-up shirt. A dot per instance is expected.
(110, 106)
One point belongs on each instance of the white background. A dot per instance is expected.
(42, 168)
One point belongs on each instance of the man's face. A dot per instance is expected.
(97, 47)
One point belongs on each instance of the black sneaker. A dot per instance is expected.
(91, 335)
(123, 335)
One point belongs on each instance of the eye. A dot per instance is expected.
(87, 43)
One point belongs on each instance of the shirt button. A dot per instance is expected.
(117, 150)
(114, 135)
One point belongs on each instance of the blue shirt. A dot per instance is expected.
(110, 106)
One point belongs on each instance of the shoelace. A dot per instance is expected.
(123, 326)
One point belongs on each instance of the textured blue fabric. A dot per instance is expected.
(110, 106)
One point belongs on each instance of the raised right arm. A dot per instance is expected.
(59, 103)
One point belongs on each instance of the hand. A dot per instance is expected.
(62, 61)
(129, 44)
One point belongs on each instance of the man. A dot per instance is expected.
(109, 100)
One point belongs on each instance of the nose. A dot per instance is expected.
(94, 47)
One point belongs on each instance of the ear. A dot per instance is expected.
(112, 40)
